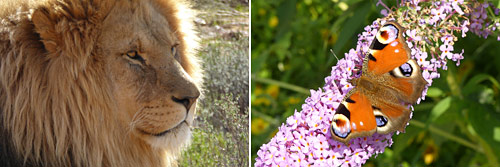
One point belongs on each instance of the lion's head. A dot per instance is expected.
(96, 83)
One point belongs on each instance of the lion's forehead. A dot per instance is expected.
(143, 28)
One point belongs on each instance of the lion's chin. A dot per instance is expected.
(173, 140)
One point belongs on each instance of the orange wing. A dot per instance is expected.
(389, 54)
(353, 118)
(389, 65)
(387, 51)
(357, 117)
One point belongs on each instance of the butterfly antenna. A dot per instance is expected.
(331, 50)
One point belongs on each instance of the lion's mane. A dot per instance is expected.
(54, 100)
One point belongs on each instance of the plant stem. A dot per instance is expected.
(447, 135)
(490, 155)
(383, 4)
(281, 84)
(265, 117)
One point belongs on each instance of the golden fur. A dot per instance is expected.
(73, 94)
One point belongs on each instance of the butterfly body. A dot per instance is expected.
(389, 83)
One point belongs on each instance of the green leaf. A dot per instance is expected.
(484, 123)
(259, 59)
(496, 133)
(404, 140)
(440, 108)
(281, 47)
(434, 92)
(352, 25)
(286, 12)
(469, 87)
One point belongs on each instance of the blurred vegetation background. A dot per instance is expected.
(220, 135)
(458, 124)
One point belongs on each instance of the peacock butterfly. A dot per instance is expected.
(389, 83)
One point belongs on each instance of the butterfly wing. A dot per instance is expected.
(353, 118)
(408, 82)
(387, 51)
(390, 117)
(390, 81)
(399, 78)
(389, 55)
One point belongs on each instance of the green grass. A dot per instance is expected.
(219, 145)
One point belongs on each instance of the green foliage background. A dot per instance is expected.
(457, 125)
(220, 135)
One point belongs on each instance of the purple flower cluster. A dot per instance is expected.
(480, 22)
(305, 139)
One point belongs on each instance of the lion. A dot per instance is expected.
(96, 82)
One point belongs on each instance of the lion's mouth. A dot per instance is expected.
(164, 132)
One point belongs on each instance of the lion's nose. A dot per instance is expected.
(187, 101)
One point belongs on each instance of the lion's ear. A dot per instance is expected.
(45, 25)
(70, 26)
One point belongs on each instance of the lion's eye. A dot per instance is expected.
(135, 56)
(174, 51)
